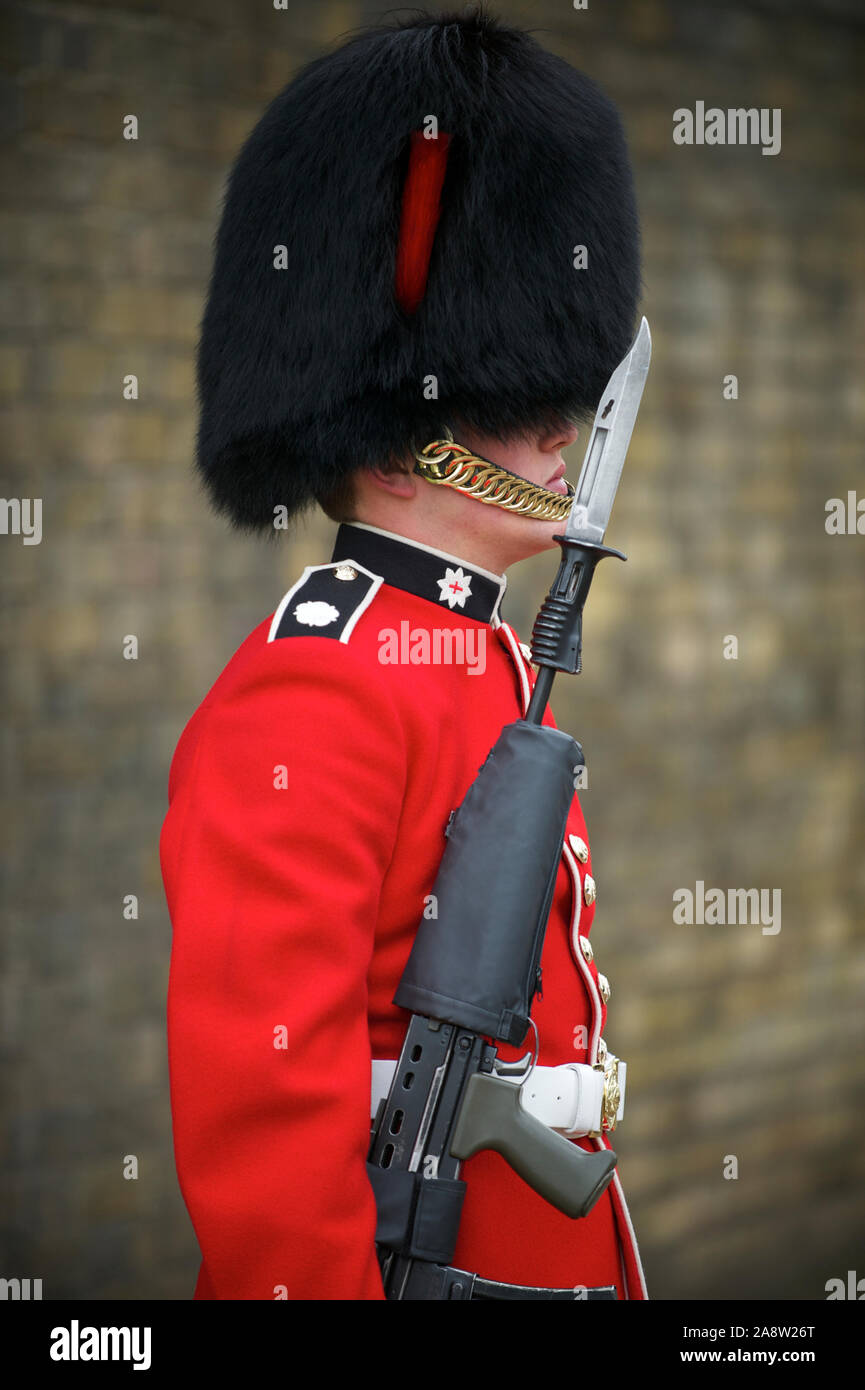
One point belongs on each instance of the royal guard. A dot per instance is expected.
(426, 272)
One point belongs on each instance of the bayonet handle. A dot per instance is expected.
(557, 636)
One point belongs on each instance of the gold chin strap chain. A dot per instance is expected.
(443, 461)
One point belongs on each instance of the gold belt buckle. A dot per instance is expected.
(609, 1065)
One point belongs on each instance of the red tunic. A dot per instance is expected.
(309, 795)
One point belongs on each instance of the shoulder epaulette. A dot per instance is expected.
(326, 601)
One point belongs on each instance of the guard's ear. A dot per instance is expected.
(399, 482)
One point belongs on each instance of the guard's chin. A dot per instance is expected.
(535, 537)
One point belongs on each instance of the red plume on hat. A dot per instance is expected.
(420, 214)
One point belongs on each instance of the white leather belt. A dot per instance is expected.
(569, 1098)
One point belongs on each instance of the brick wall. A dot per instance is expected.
(737, 773)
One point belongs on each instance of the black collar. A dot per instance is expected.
(450, 583)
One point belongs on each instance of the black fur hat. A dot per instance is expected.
(310, 364)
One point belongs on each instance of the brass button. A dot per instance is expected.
(589, 891)
(602, 1050)
(604, 986)
(580, 848)
(586, 947)
(345, 572)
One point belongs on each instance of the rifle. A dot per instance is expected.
(474, 970)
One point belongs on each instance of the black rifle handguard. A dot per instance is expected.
(476, 962)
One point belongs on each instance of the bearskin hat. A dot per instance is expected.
(400, 251)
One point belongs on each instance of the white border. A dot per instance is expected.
(517, 657)
(582, 963)
(377, 579)
(633, 1239)
(595, 997)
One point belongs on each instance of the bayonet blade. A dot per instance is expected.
(608, 443)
